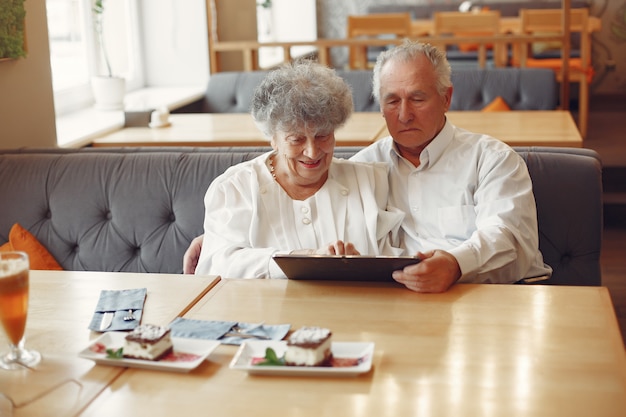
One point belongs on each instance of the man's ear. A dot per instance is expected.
(448, 97)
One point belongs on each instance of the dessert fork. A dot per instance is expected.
(130, 316)
(238, 331)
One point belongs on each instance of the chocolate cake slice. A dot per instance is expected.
(149, 342)
(309, 346)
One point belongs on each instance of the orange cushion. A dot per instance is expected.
(498, 104)
(21, 239)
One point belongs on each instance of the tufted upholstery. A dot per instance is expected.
(231, 92)
(137, 209)
(522, 88)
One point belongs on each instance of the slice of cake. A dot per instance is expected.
(148, 342)
(309, 346)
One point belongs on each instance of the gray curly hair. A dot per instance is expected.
(408, 51)
(303, 94)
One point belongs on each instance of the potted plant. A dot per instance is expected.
(108, 89)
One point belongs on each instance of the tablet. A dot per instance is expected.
(342, 268)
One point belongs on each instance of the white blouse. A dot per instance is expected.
(249, 217)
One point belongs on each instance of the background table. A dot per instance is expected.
(520, 128)
(231, 129)
(477, 350)
(517, 128)
(60, 310)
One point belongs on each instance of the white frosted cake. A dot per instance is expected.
(148, 342)
(309, 346)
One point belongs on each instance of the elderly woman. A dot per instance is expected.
(297, 198)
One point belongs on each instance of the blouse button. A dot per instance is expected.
(344, 192)
(304, 209)
(306, 221)
(263, 190)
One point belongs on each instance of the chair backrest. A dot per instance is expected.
(370, 25)
(376, 25)
(550, 21)
(464, 24)
(467, 23)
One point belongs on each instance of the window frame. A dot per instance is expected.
(80, 96)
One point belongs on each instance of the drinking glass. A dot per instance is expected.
(14, 268)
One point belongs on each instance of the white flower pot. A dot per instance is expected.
(108, 92)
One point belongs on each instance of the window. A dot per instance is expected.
(75, 52)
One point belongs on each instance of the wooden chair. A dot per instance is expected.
(549, 21)
(375, 25)
(470, 24)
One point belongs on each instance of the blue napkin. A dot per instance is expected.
(215, 330)
(119, 302)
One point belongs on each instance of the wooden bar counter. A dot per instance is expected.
(476, 350)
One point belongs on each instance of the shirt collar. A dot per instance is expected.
(435, 148)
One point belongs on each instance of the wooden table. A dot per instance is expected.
(517, 128)
(477, 350)
(520, 127)
(60, 309)
(231, 129)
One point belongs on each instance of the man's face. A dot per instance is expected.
(411, 105)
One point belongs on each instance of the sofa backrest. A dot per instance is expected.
(137, 209)
(522, 89)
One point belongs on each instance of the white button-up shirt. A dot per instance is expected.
(472, 196)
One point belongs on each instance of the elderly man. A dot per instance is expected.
(470, 210)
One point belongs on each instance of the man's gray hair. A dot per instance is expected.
(409, 51)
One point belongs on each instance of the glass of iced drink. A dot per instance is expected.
(14, 269)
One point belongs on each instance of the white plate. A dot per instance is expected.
(200, 349)
(256, 349)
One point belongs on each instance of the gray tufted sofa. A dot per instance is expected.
(521, 88)
(137, 209)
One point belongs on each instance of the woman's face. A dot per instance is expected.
(303, 156)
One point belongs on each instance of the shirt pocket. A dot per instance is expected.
(456, 222)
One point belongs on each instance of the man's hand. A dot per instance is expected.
(437, 271)
(192, 255)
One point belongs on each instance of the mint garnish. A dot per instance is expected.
(115, 354)
(271, 359)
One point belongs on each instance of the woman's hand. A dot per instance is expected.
(341, 248)
(336, 248)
